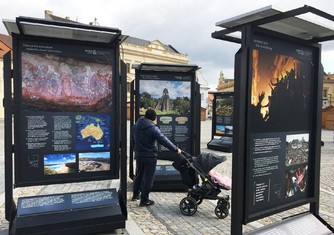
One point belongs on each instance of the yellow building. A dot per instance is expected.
(132, 51)
(328, 90)
(135, 51)
(226, 85)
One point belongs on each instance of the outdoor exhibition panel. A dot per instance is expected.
(172, 90)
(67, 124)
(222, 122)
(277, 116)
(64, 101)
(281, 126)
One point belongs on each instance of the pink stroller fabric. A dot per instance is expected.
(220, 179)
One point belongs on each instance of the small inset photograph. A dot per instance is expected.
(94, 161)
(297, 146)
(165, 97)
(296, 181)
(59, 164)
(224, 130)
(220, 129)
(92, 132)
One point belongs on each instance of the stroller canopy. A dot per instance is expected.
(207, 161)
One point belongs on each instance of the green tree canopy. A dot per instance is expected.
(147, 101)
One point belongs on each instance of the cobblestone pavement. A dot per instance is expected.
(165, 217)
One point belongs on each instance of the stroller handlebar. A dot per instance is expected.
(185, 154)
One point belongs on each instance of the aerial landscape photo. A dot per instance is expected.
(59, 164)
(94, 161)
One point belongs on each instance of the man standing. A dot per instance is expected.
(146, 134)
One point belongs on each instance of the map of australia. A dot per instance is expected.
(93, 132)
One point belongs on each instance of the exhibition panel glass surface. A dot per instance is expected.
(171, 94)
(65, 121)
(222, 119)
(281, 130)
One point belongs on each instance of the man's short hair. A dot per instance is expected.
(151, 114)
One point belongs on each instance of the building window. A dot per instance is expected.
(325, 93)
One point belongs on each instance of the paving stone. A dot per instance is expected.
(165, 216)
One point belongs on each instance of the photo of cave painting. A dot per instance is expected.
(280, 93)
(56, 83)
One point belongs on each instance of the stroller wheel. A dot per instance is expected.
(221, 212)
(223, 203)
(188, 206)
(198, 199)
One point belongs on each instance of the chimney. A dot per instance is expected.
(48, 14)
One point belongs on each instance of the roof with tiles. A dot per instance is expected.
(142, 42)
(329, 78)
(7, 40)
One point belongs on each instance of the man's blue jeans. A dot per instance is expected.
(144, 177)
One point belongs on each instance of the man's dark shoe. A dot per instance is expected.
(135, 197)
(147, 203)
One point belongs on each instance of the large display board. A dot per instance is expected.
(65, 111)
(280, 155)
(170, 94)
(222, 119)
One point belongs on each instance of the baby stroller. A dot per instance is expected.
(192, 167)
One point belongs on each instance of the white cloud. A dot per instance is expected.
(186, 25)
(155, 88)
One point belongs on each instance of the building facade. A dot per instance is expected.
(5, 46)
(328, 90)
(134, 51)
(225, 85)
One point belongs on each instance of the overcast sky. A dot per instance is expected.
(185, 24)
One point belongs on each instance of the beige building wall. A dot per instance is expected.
(328, 90)
(147, 51)
(225, 85)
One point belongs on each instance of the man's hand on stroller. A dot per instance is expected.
(179, 151)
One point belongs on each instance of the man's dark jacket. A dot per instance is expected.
(145, 136)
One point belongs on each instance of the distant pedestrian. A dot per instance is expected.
(146, 134)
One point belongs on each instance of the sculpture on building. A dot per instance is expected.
(221, 78)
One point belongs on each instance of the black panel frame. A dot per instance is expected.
(166, 181)
(114, 124)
